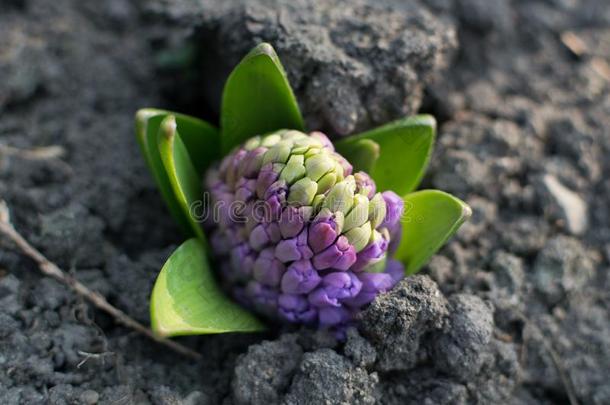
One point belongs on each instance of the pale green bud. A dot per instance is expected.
(313, 151)
(359, 213)
(359, 179)
(270, 140)
(252, 143)
(318, 165)
(300, 150)
(317, 202)
(341, 196)
(326, 182)
(377, 210)
(294, 170)
(302, 192)
(293, 136)
(339, 171)
(359, 237)
(307, 141)
(277, 154)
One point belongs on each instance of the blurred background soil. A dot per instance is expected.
(515, 309)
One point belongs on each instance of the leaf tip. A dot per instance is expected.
(426, 120)
(373, 146)
(168, 126)
(264, 48)
(466, 212)
(159, 330)
(144, 114)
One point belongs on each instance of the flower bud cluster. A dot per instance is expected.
(298, 236)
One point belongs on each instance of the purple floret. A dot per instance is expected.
(341, 255)
(300, 278)
(324, 232)
(395, 207)
(290, 250)
(334, 288)
(296, 308)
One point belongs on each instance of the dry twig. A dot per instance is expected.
(40, 153)
(52, 153)
(87, 356)
(52, 270)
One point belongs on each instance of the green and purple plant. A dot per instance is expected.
(298, 229)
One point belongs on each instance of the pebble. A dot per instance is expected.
(89, 397)
(569, 206)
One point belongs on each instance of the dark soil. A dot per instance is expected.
(515, 309)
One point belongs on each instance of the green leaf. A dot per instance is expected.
(183, 178)
(257, 99)
(201, 139)
(147, 127)
(186, 299)
(405, 148)
(362, 154)
(430, 218)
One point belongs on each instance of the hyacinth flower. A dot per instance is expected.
(284, 225)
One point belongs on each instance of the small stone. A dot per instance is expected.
(89, 397)
(565, 205)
